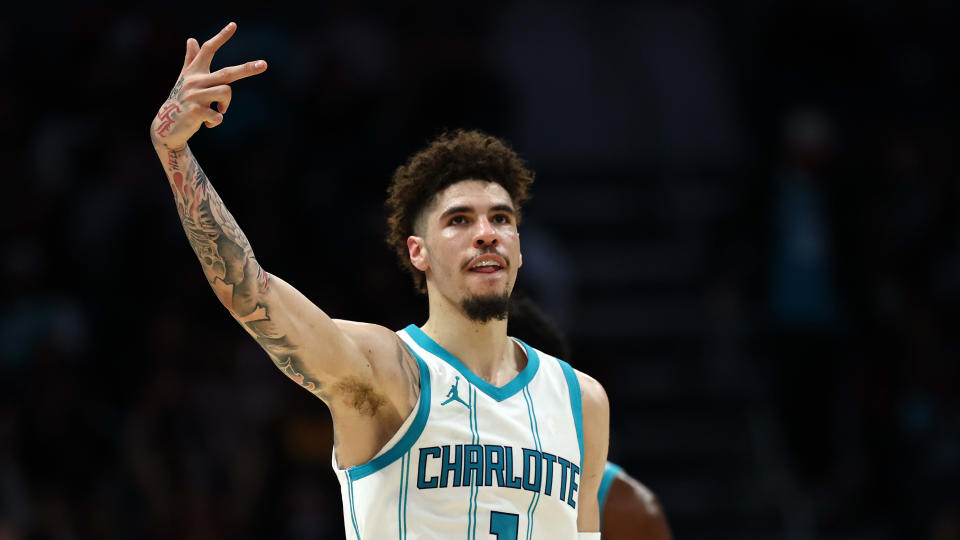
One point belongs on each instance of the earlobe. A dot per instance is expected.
(418, 253)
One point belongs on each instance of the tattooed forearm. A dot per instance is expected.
(224, 252)
(173, 161)
(229, 264)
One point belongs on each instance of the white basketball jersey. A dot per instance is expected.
(474, 461)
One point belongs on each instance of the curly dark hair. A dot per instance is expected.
(448, 159)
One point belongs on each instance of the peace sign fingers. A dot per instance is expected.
(204, 57)
(188, 105)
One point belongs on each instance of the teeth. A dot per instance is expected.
(486, 263)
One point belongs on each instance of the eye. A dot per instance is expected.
(501, 219)
(458, 220)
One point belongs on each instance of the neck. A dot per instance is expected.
(482, 347)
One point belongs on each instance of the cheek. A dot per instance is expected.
(512, 240)
(440, 259)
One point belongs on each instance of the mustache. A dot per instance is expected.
(485, 251)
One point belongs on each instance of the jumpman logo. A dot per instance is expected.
(453, 395)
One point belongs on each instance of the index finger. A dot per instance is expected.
(232, 73)
(212, 45)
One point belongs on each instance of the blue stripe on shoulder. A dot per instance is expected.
(610, 471)
(573, 385)
(412, 434)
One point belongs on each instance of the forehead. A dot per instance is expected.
(478, 194)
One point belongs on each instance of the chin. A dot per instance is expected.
(489, 289)
(484, 308)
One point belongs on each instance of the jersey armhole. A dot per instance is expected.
(413, 431)
(573, 385)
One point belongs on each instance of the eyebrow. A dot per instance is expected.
(468, 209)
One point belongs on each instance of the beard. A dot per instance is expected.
(485, 308)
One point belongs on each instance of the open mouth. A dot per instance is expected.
(487, 264)
(485, 268)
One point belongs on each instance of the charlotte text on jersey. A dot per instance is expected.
(488, 464)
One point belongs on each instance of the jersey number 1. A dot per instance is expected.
(505, 526)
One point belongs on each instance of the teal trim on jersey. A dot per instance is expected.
(498, 393)
(402, 497)
(353, 514)
(472, 441)
(410, 437)
(610, 471)
(403, 477)
(535, 430)
(404, 481)
(533, 414)
(474, 488)
(406, 496)
(530, 510)
(574, 386)
(476, 430)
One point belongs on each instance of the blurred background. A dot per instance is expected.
(745, 220)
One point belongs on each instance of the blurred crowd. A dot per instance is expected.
(132, 406)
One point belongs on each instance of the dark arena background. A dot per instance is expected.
(745, 220)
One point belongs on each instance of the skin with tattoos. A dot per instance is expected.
(363, 372)
(296, 335)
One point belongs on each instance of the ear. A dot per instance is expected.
(417, 248)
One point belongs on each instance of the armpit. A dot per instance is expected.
(359, 395)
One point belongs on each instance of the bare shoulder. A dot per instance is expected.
(390, 362)
(596, 425)
(596, 405)
(632, 509)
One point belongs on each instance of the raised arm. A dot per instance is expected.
(334, 360)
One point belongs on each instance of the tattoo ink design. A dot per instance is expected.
(264, 278)
(167, 118)
(173, 160)
(233, 271)
(177, 89)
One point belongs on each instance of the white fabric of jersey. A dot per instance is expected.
(474, 461)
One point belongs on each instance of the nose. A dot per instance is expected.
(485, 235)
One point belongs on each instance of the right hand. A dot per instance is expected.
(189, 102)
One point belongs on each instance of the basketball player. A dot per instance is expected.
(628, 509)
(449, 430)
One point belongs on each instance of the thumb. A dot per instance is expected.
(211, 118)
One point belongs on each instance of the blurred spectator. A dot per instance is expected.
(803, 298)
